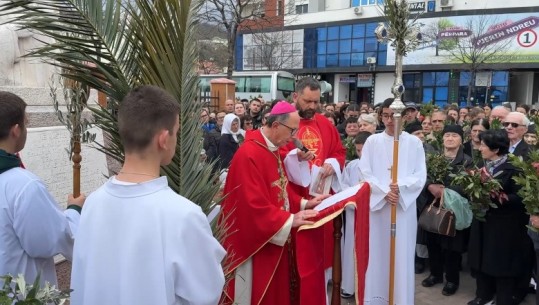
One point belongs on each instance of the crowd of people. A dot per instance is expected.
(134, 241)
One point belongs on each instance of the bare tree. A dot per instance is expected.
(478, 49)
(274, 50)
(433, 33)
(232, 16)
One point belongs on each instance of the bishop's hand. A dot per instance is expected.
(327, 170)
(301, 218)
(316, 200)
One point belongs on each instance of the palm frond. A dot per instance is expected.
(112, 47)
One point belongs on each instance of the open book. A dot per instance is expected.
(340, 196)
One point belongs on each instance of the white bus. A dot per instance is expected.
(270, 85)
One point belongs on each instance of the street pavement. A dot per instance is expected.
(423, 296)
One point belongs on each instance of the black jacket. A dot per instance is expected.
(227, 148)
(522, 150)
(500, 246)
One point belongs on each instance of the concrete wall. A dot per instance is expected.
(382, 87)
(45, 155)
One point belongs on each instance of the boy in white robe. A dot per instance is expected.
(351, 176)
(33, 227)
(375, 164)
(139, 242)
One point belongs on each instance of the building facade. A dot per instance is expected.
(479, 44)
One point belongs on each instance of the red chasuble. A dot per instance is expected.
(253, 211)
(322, 138)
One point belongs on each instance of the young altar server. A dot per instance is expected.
(139, 242)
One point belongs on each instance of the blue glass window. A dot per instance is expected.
(309, 34)
(371, 44)
(464, 79)
(321, 61)
(322, 33)
(355, 3)
(428, 94)
(363, 2)
(372, 1)
(358, 31)
(344, 60)
(441, 93)
(344, 46)
(380, 2)
(442, 78)
(500, 78)
(333, 32)
(346, 31)
(333, 47)
(332, 60)
(321, 47)
(428, 79)
(382, 58)
(358, 45)
(369, 29)
(357, 59)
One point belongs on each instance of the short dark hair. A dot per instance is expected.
(143, 113)
(305, 82)
(352, 120)
(361, 137)
(387, 102)
(482, 122)
(12, 110)
(352, 107)
(255, 100)
(526, 107)
(496, 139)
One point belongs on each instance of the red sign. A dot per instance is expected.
(507, 31)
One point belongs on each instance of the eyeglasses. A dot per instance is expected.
(437, 121)
(387, 116)
(514, 125)
(293, 131)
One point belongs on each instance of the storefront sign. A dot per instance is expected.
(364, 80)
(417, 7)
(347, 79)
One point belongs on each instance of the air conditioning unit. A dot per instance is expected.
(371, 60)
(446, 3)
(358, 10)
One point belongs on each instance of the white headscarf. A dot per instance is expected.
(227, 126)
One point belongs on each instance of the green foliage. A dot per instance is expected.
(528, 180)
(496, 124)
(438, 167)
(348, 143)
(436, 139)
(114, 46)
(15, 291)
(75, 98)
(480, 187)
(427, 109)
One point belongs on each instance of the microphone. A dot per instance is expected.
(300, 145)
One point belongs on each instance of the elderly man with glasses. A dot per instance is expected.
(516, 125)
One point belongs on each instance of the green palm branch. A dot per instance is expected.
(113, 46)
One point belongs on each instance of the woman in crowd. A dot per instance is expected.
(367, 122)
(499, 246)
(331, 117)
(426, 124)
(231, 138)
(445, 253)
(471, 148)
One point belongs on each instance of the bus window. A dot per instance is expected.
(285, 85)
(258, 84)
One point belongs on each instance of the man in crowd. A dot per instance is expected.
(438, 121)
(326, 151)
(229, 106)
(254, 111)
(138, 241)
(34, 229)
(410, 113)
(261, 212)
(516, 125)
(376, 162)
(499, 112)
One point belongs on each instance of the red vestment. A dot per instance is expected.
(253, 212)
(316, 251)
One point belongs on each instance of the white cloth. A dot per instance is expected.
(375, 163)
(33, 227)
(351, 176)
(227, 126)
(144, 244)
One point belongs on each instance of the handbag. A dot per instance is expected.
(438, 219)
